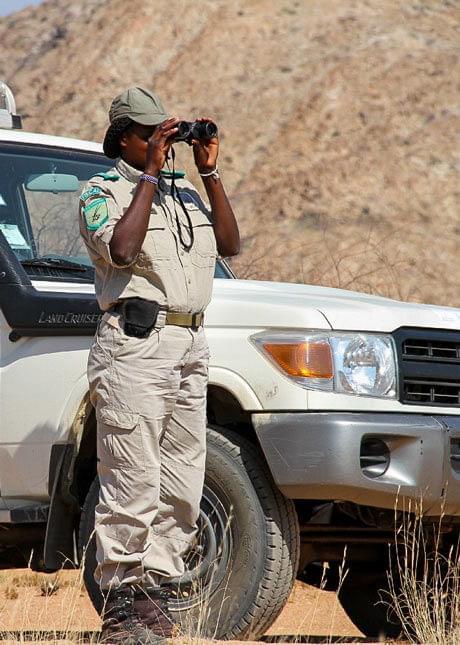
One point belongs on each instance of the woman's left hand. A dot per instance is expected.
(205, 152)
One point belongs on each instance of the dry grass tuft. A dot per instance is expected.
(48, 587)
(11, 593)
(425, 582)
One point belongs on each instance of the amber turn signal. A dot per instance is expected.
(302, 359)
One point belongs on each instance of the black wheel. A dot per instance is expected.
(242, 567)
(364, 597)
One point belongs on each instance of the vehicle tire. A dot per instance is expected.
(364, 597)
(242, 570)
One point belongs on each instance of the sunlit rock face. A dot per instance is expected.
(338, 121)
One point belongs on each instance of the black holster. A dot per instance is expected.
(139, 316)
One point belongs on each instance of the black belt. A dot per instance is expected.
(143, 313)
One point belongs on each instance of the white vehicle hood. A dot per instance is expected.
(273, 304)
(251, 303)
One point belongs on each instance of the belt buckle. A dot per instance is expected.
(195, 318)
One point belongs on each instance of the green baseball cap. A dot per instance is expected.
(134, 104)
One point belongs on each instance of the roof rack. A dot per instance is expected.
(8, 117)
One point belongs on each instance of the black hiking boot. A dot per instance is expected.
(122, 625)
(151, 604)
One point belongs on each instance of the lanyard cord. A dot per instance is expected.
(176, 194)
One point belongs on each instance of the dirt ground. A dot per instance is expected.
(28, 611)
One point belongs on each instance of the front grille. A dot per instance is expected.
(433, 392)
(431, 350)
(429, 366)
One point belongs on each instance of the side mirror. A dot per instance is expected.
(52, 183)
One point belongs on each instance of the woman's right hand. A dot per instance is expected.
(159, 144)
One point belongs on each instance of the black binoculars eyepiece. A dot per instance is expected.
(189, 130)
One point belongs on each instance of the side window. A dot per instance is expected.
(53, 219)
(39, 191)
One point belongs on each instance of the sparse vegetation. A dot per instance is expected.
(334, 115)
(48, 587)
(425, 581)
(59, 619)
(11, 593)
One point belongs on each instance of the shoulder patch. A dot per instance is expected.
(169, 174)
(108, 176)
(96, 213)
(95, 190)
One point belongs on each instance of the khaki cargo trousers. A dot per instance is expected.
(150, 401)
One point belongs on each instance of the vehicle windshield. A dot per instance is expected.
(39, 191)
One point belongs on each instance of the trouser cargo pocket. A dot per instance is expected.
(120, 438)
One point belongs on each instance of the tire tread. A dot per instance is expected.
(283, 543)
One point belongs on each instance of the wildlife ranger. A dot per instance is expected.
(153, 243)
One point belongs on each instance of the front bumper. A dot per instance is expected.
(317, 456)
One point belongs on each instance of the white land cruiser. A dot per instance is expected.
(326, 408)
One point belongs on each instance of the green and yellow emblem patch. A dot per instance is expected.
(96, 213)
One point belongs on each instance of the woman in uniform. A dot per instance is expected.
(154, 244)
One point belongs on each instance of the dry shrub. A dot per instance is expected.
(49, 587)
(343, 572)
(367, 262)
(11, 593)
(28, 579)
(425, 582)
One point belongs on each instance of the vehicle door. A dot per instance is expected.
(48, 309)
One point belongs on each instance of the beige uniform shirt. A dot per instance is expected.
(163, 270)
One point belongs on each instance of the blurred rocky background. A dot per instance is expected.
(340, 120)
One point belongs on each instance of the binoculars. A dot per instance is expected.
(189, 130)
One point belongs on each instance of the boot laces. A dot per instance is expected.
(123, 609)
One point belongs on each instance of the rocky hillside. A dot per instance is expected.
(339, 120)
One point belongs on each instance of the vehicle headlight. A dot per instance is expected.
(349, 363)
(364, 364)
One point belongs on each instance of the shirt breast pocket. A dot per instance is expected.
(159, 244)
(204, 249)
